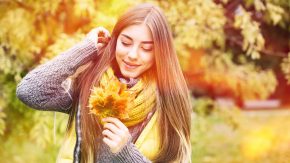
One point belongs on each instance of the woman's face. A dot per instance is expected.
(134, 50)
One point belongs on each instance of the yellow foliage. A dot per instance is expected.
(196, 24)
(266, 137)
(84, 7)
(41, 6)
(201, 26)
(258, 143)
(62, 43)
(275, 12)
(253, 40)
(18, 30)
(246, 81)
(285, 66)
(2, 122)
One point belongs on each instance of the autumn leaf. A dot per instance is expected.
(110, 100)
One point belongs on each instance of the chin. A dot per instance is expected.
(129, 74)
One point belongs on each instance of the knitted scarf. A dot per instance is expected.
(148, 142)
(113, 98)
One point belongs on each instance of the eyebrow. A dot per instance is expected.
(144, 42)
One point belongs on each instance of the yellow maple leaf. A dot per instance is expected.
(110, 100)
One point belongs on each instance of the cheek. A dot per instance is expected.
(120, 50)
(118, 54)
(148, 59)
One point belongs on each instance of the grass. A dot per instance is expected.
(230, 135)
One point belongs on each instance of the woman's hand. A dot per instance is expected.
(116, 134)
(100, 36)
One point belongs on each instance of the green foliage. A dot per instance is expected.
(206, 107)
(215, 131)
(2, 122)
(41, 133)
(33, 132)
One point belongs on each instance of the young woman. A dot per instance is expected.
(139, 53)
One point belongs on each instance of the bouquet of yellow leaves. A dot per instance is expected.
(110, 100)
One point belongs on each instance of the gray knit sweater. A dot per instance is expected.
(42, 89)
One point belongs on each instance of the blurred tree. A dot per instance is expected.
(31, 33)
(285, 65)
(232, 48)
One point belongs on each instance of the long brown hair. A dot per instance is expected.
(173, 95)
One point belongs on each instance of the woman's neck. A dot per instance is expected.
(130, 82)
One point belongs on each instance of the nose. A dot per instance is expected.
(133, 53)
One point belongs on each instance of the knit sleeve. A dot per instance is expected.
(131, 154)
(42, 88)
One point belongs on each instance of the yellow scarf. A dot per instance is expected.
(148, 142)
(140, 99)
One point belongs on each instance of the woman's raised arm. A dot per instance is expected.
(42, 88)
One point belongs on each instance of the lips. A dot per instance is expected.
(130, 65)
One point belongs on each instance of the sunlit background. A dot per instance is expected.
(234, 54)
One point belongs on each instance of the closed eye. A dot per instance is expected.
(125, 43)
(147, 49)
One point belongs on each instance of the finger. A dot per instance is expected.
(112, 127)
(103, 39)
(106, 32)
(109, 142)
(117, 122)
(100, 45)
(111, 136)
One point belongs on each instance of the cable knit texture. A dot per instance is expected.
(42, 89)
